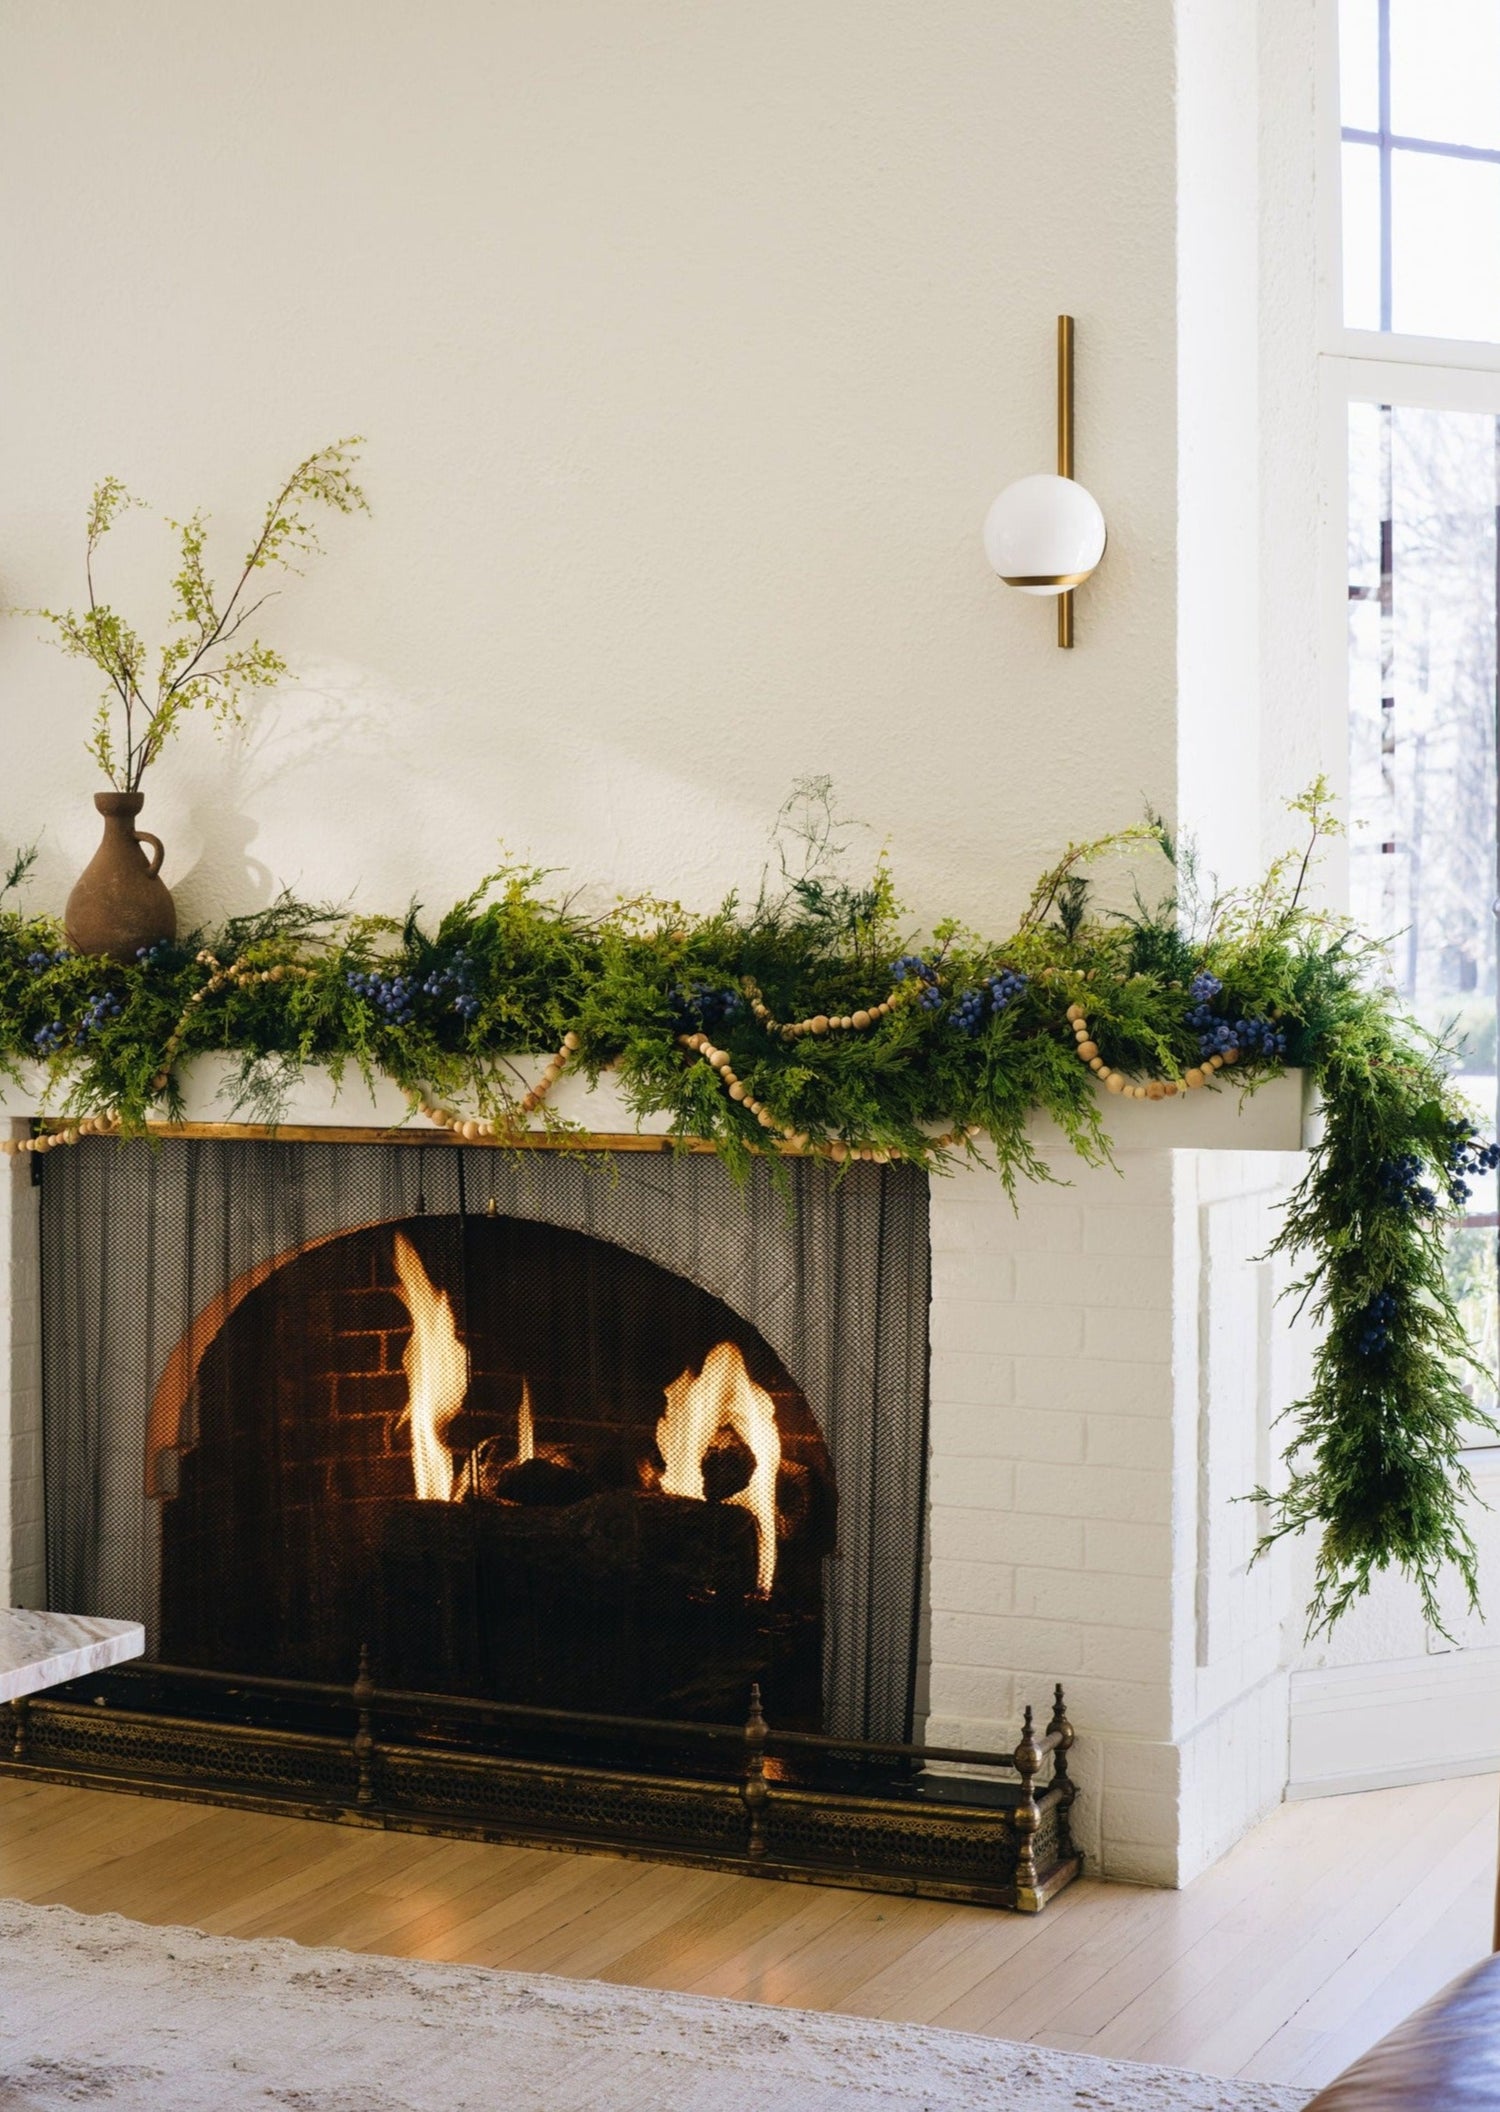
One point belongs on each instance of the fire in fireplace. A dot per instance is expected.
(710, 1415)
(512, 1459)
(622, 1437)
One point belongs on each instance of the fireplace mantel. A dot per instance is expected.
(1274, 1118)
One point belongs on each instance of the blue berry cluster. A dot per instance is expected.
(1375, 1335)
(148, 956)
(1216, 1036)
(40, 962)
(1217, 1039)
(393, 996)
(990, 996)
(1400, 1183)
(103, 1006)
(1203, 1020)
(454, 978)
(98, 1009)
(705, 1007)
(1466, 1158)
(910, 967)
(1257, 1037)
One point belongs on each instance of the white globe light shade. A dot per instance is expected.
(1044, 534)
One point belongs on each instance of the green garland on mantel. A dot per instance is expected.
(804, 1021)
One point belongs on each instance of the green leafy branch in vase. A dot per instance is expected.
(209, 660)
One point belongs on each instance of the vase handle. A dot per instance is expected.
(145, 836)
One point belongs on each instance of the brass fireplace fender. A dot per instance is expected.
(1016, 1853)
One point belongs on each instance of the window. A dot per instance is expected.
(1420, 97)
(1420, 124)
(1424, 617)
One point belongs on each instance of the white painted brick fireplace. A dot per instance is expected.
(1104, 1372)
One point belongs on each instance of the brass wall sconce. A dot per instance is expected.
(1046, 534)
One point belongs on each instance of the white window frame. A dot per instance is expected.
(1469, 355)
(1363, 366)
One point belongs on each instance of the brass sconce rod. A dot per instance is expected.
(1046, 534)
(1065, 451)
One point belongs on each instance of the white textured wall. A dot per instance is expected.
(1303, 642)
(1218, 435)
(692, 340)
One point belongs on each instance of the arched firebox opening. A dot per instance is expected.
(516, 1460)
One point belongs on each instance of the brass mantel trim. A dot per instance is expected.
(432, 1139)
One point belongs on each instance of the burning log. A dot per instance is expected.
(718, 1437)
(550, 1484)
(728, 1466)
(617, 1602)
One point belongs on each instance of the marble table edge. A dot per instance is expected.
(41, 1650)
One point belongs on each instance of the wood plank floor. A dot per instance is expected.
(1317, 1933)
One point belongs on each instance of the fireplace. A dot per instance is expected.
(514, 1460)
(514, 1492)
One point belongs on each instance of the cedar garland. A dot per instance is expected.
(755, 1027)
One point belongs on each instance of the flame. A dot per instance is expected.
(525, 1425)
(723, 1395)
(437, 1374)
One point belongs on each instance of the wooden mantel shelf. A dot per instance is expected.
(1276, 1118)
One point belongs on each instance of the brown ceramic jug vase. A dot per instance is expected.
(120, 903)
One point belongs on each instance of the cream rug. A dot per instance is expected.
(95, 2010)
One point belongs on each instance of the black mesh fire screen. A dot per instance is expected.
(607, 1435)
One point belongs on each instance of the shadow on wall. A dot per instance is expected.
(313, 728)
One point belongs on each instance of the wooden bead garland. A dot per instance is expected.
(469, 1129)
(1117, 1082)
(857, 1022)
(798, 1140)
(239, 975)
(69, 1130)
(823, 1022)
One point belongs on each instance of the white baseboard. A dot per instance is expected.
(1414, 1719)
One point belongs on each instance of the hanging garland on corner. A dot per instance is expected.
(803, 1023)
